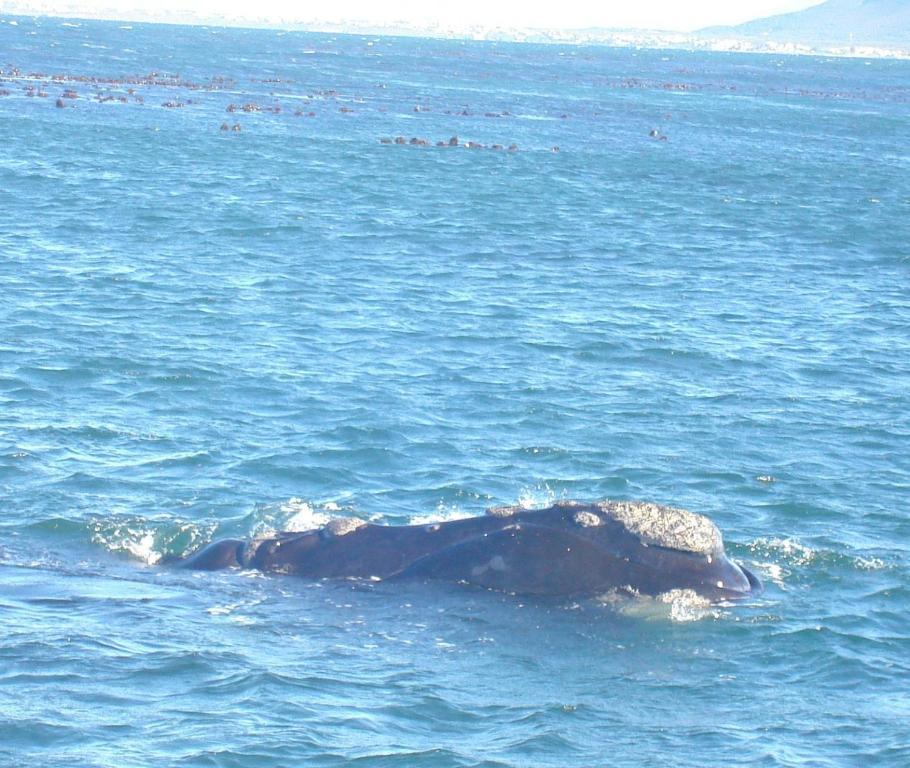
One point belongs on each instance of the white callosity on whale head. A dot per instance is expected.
(587, 519)
(666, 526)
(341, 526)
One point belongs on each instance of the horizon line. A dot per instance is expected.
(624, 37)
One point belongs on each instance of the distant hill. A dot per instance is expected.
(878, 23)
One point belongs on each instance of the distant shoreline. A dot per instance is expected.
(613, 38)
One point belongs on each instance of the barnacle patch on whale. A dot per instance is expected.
(663, 526)
(504, 511)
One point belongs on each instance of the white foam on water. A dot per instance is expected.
(678, 605)
(144, 549)
(686, 605)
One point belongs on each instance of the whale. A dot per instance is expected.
(567, 549)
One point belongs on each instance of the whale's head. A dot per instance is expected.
(674, 548)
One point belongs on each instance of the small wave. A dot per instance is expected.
(152, 541)
(147, 541)
(301, 515)
(444, 513)
(295, 515)
(790, 550)
(777, 559)
(529, 498)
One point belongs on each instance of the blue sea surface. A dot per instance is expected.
(208, 333)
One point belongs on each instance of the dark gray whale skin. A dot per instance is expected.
(568, 549)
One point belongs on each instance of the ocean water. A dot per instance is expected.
(210, 332)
